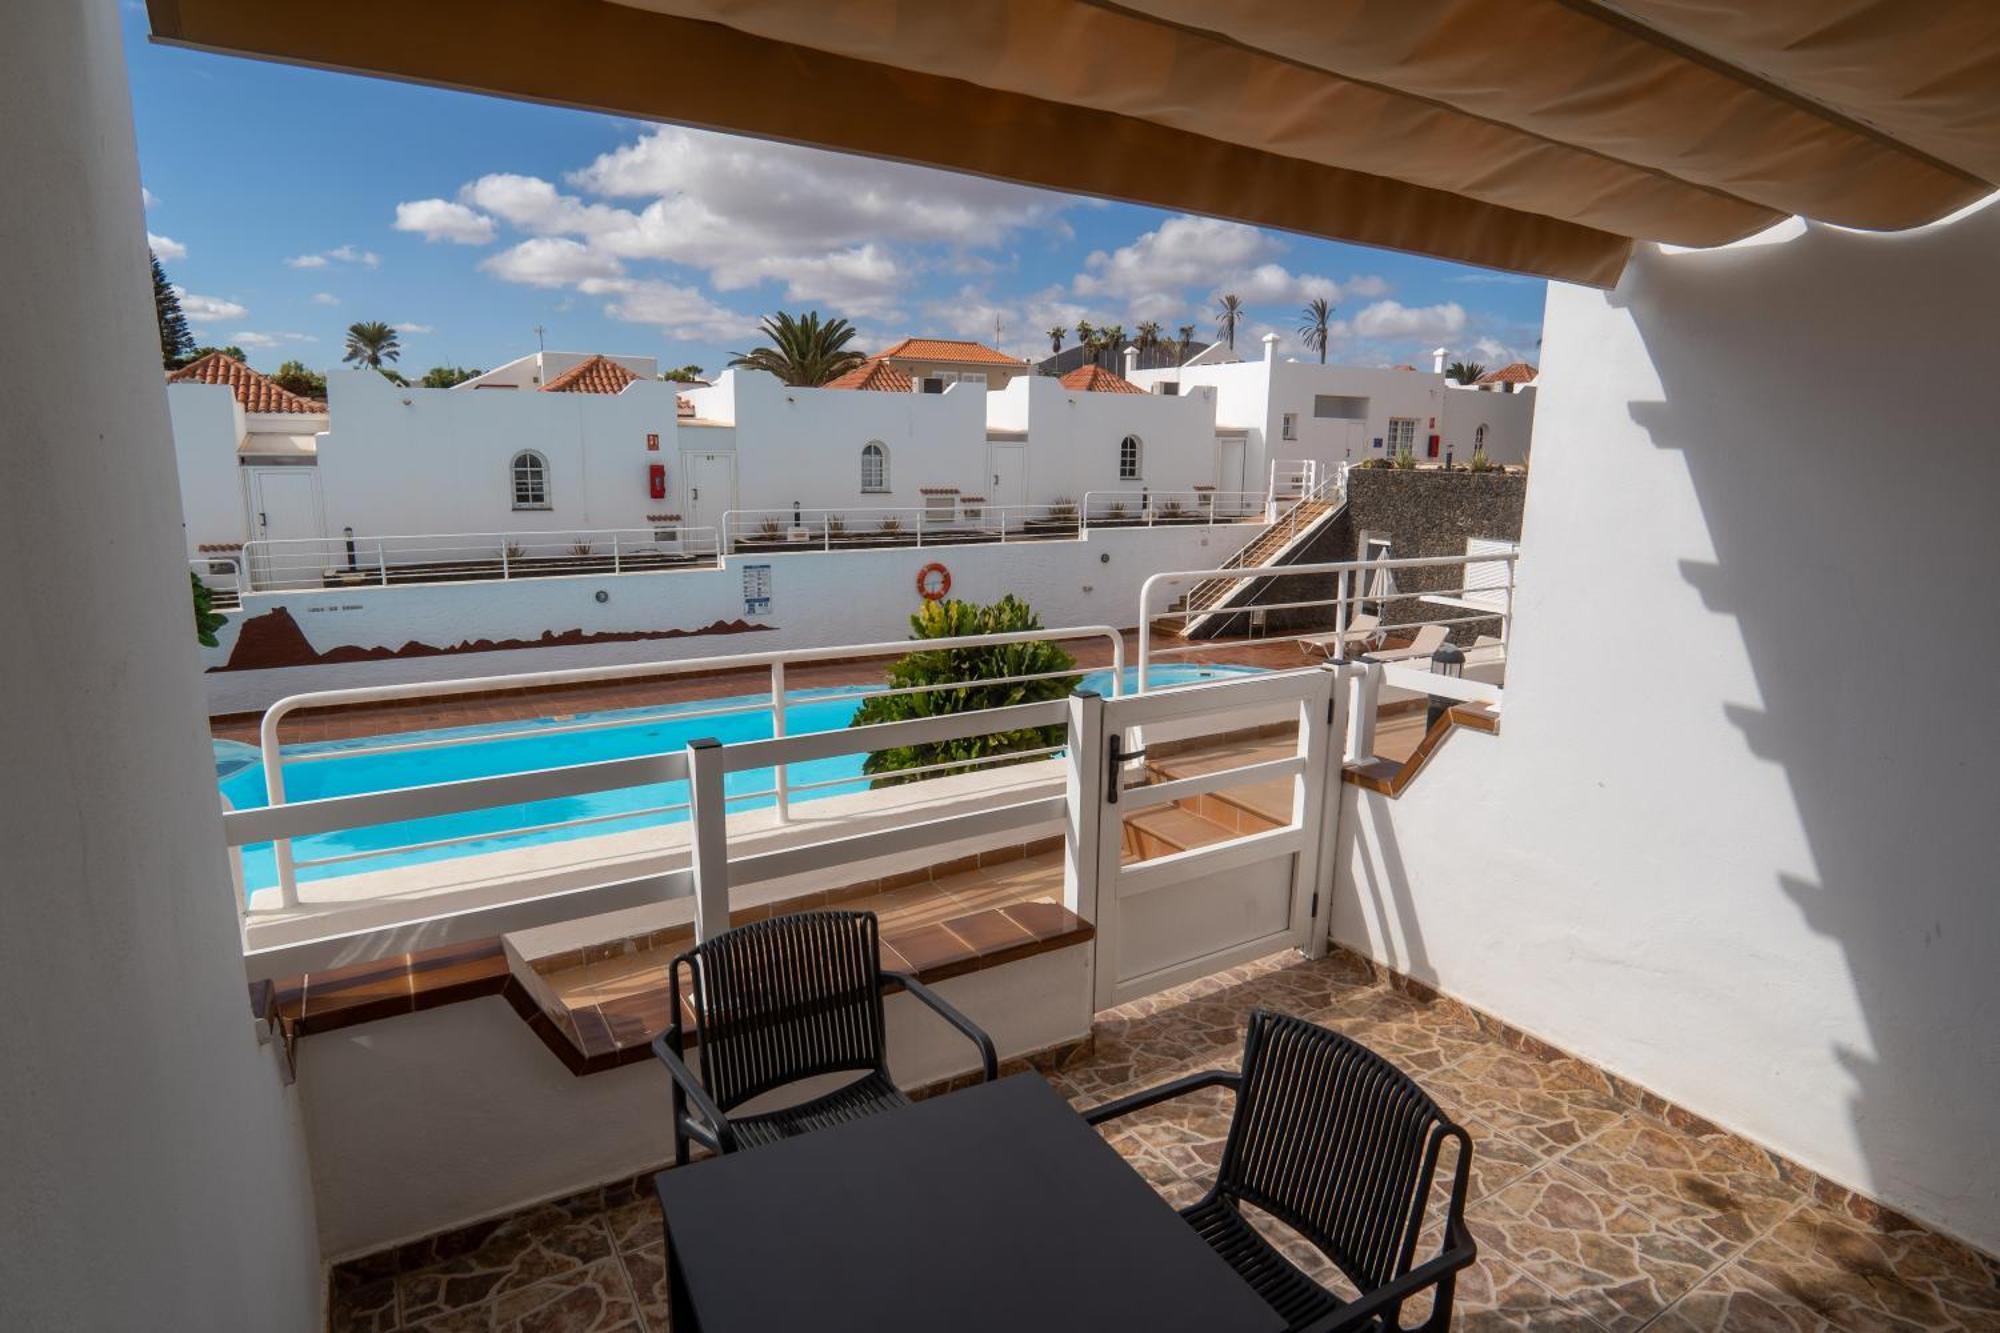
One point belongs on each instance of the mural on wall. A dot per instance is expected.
(274, 639)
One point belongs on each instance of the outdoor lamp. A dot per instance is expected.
(1448, 660)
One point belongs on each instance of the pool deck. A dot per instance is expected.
(524, 705)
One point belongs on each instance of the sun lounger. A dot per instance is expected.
(1361, 629)
(1427, 640)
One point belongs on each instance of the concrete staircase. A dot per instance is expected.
(1295, 526)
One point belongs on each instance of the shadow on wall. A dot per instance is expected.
(1843, 442)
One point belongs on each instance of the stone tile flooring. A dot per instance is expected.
(1591, 1214)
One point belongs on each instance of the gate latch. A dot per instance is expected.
(1118, 761)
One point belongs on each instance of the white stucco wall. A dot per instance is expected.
(1073, 438)
(1735, 839)
(152, 1165)
(817, 599)
(207, 425)
(428, 1120)
(401, 461)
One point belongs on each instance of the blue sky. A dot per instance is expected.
(288, 203)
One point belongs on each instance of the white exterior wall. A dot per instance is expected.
(432, 1119)
(153, 1169)
(401, 461)
(817, 599)
(805, 444)
(1735, 839)
(1258, 394)
(207, 424)
(1073, 438)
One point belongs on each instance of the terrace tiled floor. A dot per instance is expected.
(1590, 1213)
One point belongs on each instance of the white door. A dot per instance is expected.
(288, 523)
(1229, 473)
(1172, 917)
(1008, 467)
(710, 480)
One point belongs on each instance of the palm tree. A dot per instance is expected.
(1187, 340)
(372, 342)
(1086, 338)
(1464, 372)
(1312, 324)
(1149, 335)
(1111, 339)
(1227, 315)
(803, 351)
(1056, 335)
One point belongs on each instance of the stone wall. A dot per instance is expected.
(1422, 512)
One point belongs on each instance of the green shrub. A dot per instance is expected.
(207, 620)
(952, 619)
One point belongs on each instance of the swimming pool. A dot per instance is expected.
(347, 767)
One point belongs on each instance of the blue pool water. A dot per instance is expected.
(352, 766)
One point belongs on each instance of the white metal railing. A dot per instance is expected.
(1094, 765)
(1355, 583)
(222, 574)
(1146, 508)
(970, 522)
(1306, 484)
(328, 813)
(293, 563)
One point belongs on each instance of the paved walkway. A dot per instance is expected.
(1591, 1214)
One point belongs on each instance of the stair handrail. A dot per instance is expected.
(1320, 484)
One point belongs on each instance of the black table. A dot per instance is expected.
(995, 1208)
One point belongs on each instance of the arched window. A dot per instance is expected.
(874, 467)
(531, 480)
(1479, 438)
(1128, 458)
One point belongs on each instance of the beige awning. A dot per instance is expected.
(1541, 136)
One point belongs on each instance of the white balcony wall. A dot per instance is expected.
(461, 1113)
(399, 460)
(817, 598)
(152, 1170)
(1735, 840)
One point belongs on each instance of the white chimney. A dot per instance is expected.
(1270, 347)
(1438, 355)
(1131, 361)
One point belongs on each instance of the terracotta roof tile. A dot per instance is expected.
(948, 349)
(1096, 379)
(876, 374)
(257, 393)
(599, 374)
(1518, 373)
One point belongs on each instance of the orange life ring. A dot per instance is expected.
(933, 589)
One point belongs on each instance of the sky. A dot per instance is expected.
(289, 203)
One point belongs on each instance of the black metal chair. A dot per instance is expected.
(777, 1002)
(1341, 1146)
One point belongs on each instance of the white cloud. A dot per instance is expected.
(346, 254)
(1391, 319)
(325, 298)
(1272, 284)
(831, 230)
(147, 197)
(254, 338)
(1180, 253)
(551, 261)
(1365, 286)
(443, 220)
(414, 328)
(208, 309)
(166, 247)
(678, 311)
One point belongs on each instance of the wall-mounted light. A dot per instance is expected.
(602, 596)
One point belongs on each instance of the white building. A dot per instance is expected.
(1349, 414)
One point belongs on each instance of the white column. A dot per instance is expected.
(153, 1171)
(708, 816)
